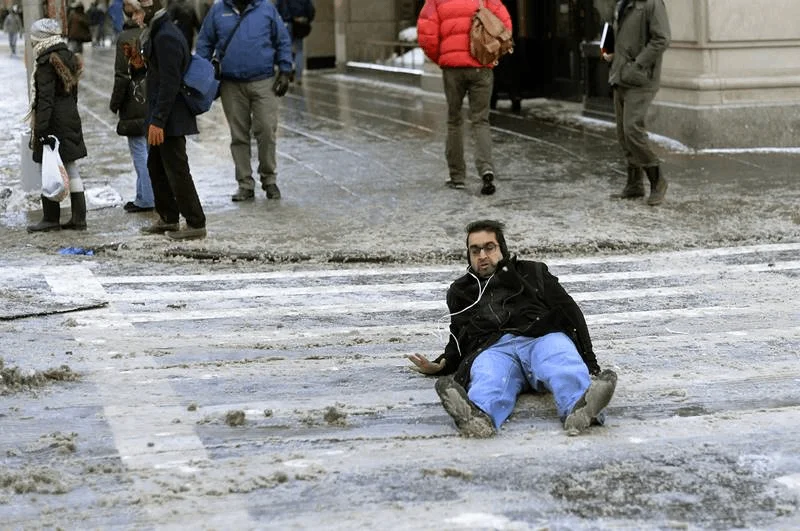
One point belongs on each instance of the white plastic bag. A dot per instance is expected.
(55, 180)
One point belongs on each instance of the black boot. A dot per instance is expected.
(51, 212)
(78, 220)
(634, 187)
(658, 185)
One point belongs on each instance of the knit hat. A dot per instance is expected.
(138, 5)
(44, 28)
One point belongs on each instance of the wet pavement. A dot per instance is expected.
(362, 172)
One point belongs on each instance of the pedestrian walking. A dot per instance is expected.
(78, 29)
(443, 29)
(13, 26)
(129, 100)
(54, 111)
(298, 16)
(97, 22)
(513, 328)
(249, 40)
(641, 36)
(169, 120)
(115, 13)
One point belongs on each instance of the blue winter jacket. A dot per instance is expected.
(260, 42)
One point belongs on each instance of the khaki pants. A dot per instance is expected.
(252, 105)
(630, 108)
(477, 84)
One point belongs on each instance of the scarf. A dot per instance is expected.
(38, 49)
(44, 34)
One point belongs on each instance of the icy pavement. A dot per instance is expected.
(362, 168)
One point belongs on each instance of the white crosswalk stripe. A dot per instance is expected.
(319, 356)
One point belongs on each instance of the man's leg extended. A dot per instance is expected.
(496, 380)
(553, 361)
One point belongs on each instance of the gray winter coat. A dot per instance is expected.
(641, 35)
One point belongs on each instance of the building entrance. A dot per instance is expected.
(547, 60)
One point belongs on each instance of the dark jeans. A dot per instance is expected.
(173, 186)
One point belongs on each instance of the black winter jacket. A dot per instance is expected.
(129, 95)
(289, 9)
(55, 111)
(167, 55)
(522, 298)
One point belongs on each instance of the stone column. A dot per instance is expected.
(731, 77)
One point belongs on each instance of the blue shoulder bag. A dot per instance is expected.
(199, 87)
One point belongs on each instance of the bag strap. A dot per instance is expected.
(230, 37)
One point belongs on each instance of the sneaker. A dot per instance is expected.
(488, 183)
(159, 227)
(470, 420)
(187, 233)
(455, 185)
(593, 401)
(273, 192)
(130, 206)
(243, 195)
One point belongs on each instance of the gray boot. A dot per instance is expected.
(658, 185)
(78, 220)
(51, 212)
(634, 187)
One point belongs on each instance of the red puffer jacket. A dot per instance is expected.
(443, 29)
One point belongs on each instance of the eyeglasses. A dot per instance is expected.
(476, 250)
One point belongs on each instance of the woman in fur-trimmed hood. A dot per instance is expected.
(54, 111)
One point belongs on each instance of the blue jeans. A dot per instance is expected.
(515, 364)
(144, 188)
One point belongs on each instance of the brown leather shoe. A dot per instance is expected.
(160, 227)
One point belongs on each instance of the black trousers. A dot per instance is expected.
(173, 186)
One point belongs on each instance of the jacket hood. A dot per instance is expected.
(68, 66)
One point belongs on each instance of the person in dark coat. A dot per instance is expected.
(129, 99)
(183, 13)
(514, 328)
(169, 120)
(298, 16)
(97, 23)
(78, 29)
(54, 111)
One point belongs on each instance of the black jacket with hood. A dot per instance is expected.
(521, 298)
(129, 95)
(55, 111)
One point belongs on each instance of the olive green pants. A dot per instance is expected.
(630, 107)
(476, 83)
